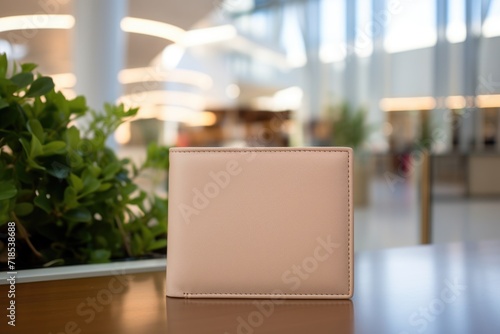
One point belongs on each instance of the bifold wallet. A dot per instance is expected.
(260, 223)
(224, 316)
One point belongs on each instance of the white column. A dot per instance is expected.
(438, 120)
(471, 127)
(312, 72)
(351, 59)
(99, 49)
(379, 78)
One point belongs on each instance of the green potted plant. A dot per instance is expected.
(349, 126)
(71, 198)
(350, 129)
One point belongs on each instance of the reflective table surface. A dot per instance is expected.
(425, 289)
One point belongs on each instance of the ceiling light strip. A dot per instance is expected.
(39, 21)
(161, 97)
(148, 74)
(152, 28)
(408, 103)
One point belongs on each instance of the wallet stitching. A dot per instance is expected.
(257, 151)
(187, 294)
(303, 302)
(348, 225)
(260, 294)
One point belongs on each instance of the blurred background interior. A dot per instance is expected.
(412, 85)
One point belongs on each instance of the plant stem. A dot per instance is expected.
(25, 235)
(126, 239)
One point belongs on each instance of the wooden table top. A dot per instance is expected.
(426, 289)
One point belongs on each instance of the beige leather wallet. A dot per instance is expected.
(260, 223)
(223, 316)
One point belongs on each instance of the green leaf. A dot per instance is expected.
(101, 241)
(15, 68)
(158, 230)
(160, 205)
(100, 256)
(147, 236)
(139, 199)
(33, 164)
(3, 65)
(104, 187)
(3, 103)
(7, 190)
(59, 170)
(26, 145)
(73, 137)
(78, 215)
(110, 170)
(53, 148)
(89, 187)
(157, 157)
(3, 220)
(94, 170)
(36, 147)
(74, 159)
(43, 202)
(5, 211)
(129, 189)
(90, 183)
(83, 236)
(22, 79)
(23, 209)
(70, 199)
(35, 128)
(76, 182)
(78, 106)
(28, 67)
(40, 86)
(157, 244)
(137, 245)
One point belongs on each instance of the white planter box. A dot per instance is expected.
(86, 270)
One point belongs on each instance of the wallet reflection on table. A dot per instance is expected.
(228, 316)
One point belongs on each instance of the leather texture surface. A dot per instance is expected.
(260, 223)
(259, 316)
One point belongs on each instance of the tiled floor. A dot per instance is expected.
(392, 218)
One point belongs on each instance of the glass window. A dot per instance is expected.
(455, 31)
(260, 24)
(412, 25)
(491, 26)
(332, 30)
(364, 28)
(243, 23)
(236, 6)
(291, 38)
(256, 25)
